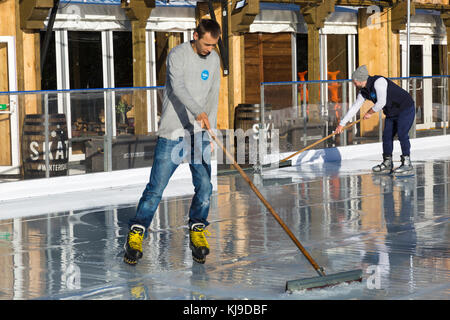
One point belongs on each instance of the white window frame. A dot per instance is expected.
(14, 168)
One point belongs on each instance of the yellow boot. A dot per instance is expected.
(198, 243)
(133, 246)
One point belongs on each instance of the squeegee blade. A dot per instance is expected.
(324, 281)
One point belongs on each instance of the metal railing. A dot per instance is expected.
(305, 111)
(69, 132)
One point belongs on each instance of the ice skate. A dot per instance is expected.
(384, 181)
(133, 246)
(406, 169)
(198, 243)
(385, 167)
(406, 185)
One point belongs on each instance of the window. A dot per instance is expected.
(416, 69)
(48, 79)
(86, 71)
(123, 59)
(48, 72)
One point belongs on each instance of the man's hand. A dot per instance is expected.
(369, 114)
(339, 129)
(204, 124)
(204, 121)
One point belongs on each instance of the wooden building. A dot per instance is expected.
(120, 43)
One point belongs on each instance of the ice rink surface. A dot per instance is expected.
(395, 229)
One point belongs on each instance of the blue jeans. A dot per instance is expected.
(399, 125)
(168, 155)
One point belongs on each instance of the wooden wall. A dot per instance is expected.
(5, 132)
(27, 72)
(268, 58)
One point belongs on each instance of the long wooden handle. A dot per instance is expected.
(268, 206)
(319, 141)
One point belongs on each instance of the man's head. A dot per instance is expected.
(360, 76)
(206, 36)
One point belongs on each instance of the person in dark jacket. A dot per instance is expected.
(399, 108)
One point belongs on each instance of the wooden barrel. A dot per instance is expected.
(247, 117)
(33, 145)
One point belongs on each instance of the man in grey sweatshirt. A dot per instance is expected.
(189, 106)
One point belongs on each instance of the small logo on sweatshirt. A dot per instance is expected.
(205, 75)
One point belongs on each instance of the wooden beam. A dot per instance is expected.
(33, 13)
(236, 78)
(243, 17)
(139, 77)
(316, 14)
(399, 15)
(379, 50)
(443, 6)
(313, 68)
(138, 11)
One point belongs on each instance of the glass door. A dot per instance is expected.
(9, 124)
(420, 89)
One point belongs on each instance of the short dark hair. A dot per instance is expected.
(208, 25)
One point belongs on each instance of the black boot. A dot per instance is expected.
(385, 167)
(406, 169)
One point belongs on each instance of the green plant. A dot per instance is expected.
(123, 107)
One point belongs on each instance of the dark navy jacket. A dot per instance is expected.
(397, 99)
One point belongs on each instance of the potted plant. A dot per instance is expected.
(121, 110)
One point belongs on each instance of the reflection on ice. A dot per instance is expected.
(395, 230)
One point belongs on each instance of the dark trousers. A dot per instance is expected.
(398, 125)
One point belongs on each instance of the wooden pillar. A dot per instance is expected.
(379, 50)
(315, 16)
(232, 86)
(139, 100)
(21, 20)
(138, 11)
(28, 53)
(236, 79)
(313, 62)
(223, 108)
(239, 21)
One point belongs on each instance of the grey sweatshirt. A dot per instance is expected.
(192, 87)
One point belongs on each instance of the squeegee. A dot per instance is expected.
(322, 280)
(287, 163)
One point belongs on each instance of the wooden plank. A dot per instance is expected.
(31, 71)
(252, 68)
(379, 51)
(139, 78)
(5, 124)
(268, 59)
(236, 89)
(313, 70)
